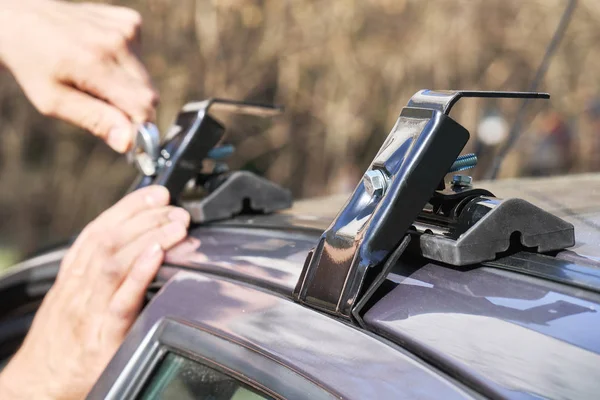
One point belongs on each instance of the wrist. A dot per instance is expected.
(19, 382)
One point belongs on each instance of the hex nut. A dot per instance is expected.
(375, 183)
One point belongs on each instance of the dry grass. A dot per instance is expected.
(343, 68)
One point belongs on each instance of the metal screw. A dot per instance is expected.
(376, 182)
(466, 161)
(461, 180)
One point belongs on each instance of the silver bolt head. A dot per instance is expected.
(461, 180)
(375, 183)
(145, 151)
(147, 139)
(145, 164)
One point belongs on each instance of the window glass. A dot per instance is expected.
(180, 378)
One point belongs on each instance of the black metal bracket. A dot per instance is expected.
(372, 227)
(180, 161)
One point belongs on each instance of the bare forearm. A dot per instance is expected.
(16, 384)
(114, 259)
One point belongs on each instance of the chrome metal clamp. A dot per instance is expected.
(370, 233)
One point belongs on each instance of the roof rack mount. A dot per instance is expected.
(178, 164)
(403, 195)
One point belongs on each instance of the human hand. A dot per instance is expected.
(77, 62)
(97, 296)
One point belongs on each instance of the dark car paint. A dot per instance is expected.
(469, 322)
(266, 257)
(490, 307)
(516, 336)
(345, 361)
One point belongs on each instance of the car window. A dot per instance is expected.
(178, 377)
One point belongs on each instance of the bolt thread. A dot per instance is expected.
(464, 162)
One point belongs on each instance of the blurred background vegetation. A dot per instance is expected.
(343, 69)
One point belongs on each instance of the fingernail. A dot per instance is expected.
(157, 196)
(179, 215)
(119, 138)
(154, 250)
(175, 229)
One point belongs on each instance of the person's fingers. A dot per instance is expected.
(166, 236)
(100, 118)
(125, 16)
(108, 276)
(185, 249)
(119, 235)
(151, 197)
(124, 20)
(147, 221)
(132, 65)
(128, 90)
(124, 245)
(128, 23)
(143, 199)
(128, 299)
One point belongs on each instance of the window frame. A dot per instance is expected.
(246, 365)
(333, 358)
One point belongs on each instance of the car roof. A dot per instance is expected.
(449, 316)
(482, 307)
(271, 249)
(574, 198)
